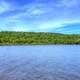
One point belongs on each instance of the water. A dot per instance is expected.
(51, 62)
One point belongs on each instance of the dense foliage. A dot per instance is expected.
(23, 38)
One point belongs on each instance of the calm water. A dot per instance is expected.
(40, 62)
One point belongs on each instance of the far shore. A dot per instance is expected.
(39, 38)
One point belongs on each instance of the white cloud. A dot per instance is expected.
(31, 10)
(39, 27)
(24, 14)
(68, 3)
(45, 26)
(51, 24)
(5, 6)
(38, 9)
(37, 12)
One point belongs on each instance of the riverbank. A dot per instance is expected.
(32, 38)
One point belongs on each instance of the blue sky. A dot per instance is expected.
(60, 16)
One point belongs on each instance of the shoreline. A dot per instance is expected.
(32, 38)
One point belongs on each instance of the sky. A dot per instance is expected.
(55, 16)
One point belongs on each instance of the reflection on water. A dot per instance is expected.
(53, 62)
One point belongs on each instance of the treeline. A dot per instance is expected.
(25, 38)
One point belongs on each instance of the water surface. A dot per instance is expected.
(53, 62)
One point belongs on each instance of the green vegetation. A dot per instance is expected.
(25, 38)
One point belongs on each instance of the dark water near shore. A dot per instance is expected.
(55, 62)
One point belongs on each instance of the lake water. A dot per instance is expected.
(50, 62)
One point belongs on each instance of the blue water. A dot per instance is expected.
(50, 62)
